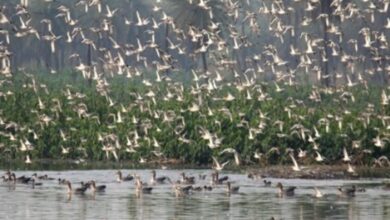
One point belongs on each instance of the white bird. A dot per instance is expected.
(319, 158)
(278, 89)
(155, 143)
(378, 142)
(296, 166)
(203, 4)
(64, 150)
(229, 97)
(3, 18)
(350, 169)
(98, 4)
(318, 193)
(387, 26)
(52, 38)
(233, 151)
(140, 21)
(350, 83)
(317, 134)
(194, 108)
(257, 155)
(28, 160)
(142, 160)
(302, 153)
(217, 166)
(346, 156)
(251, 136)
(23, 147)
(110, 13)
(63, 136)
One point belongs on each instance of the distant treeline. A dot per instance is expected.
(324, 42)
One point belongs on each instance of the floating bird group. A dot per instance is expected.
(180, 188)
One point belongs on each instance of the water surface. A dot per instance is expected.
(255, 201)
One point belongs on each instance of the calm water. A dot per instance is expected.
(50, 201)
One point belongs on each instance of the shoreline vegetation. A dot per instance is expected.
(135, 122)
(315, 172)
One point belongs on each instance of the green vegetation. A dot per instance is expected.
(72, 114)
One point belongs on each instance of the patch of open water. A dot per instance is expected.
(254, 200)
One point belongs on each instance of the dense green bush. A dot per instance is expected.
(82, 133)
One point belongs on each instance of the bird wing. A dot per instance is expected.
(227, 150)
(216, 162)
(294, 161)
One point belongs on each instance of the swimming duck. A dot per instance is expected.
(286, 192)
(216, 180)
(7, 173)
(267, 183)
(230, 189)
(202, 176)
(158, 180)
(181, 191)
(120, 178)
(62, 181)
(12, 178)
(187, 179)
(360, 190)
(140, 187)
(7, 176)
(43, 177)
(255, 176)
(85, 185)
(197, 188)
(348, 192)
(33, 183)
(207, 188)
(75, 191)
(23, 179)
(386, 186)
(100, 188)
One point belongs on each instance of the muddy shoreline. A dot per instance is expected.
(322, 172)
(275, 171)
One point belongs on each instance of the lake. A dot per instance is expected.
(254, 200)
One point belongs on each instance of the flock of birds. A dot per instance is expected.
(245, 84)
(185, 186)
